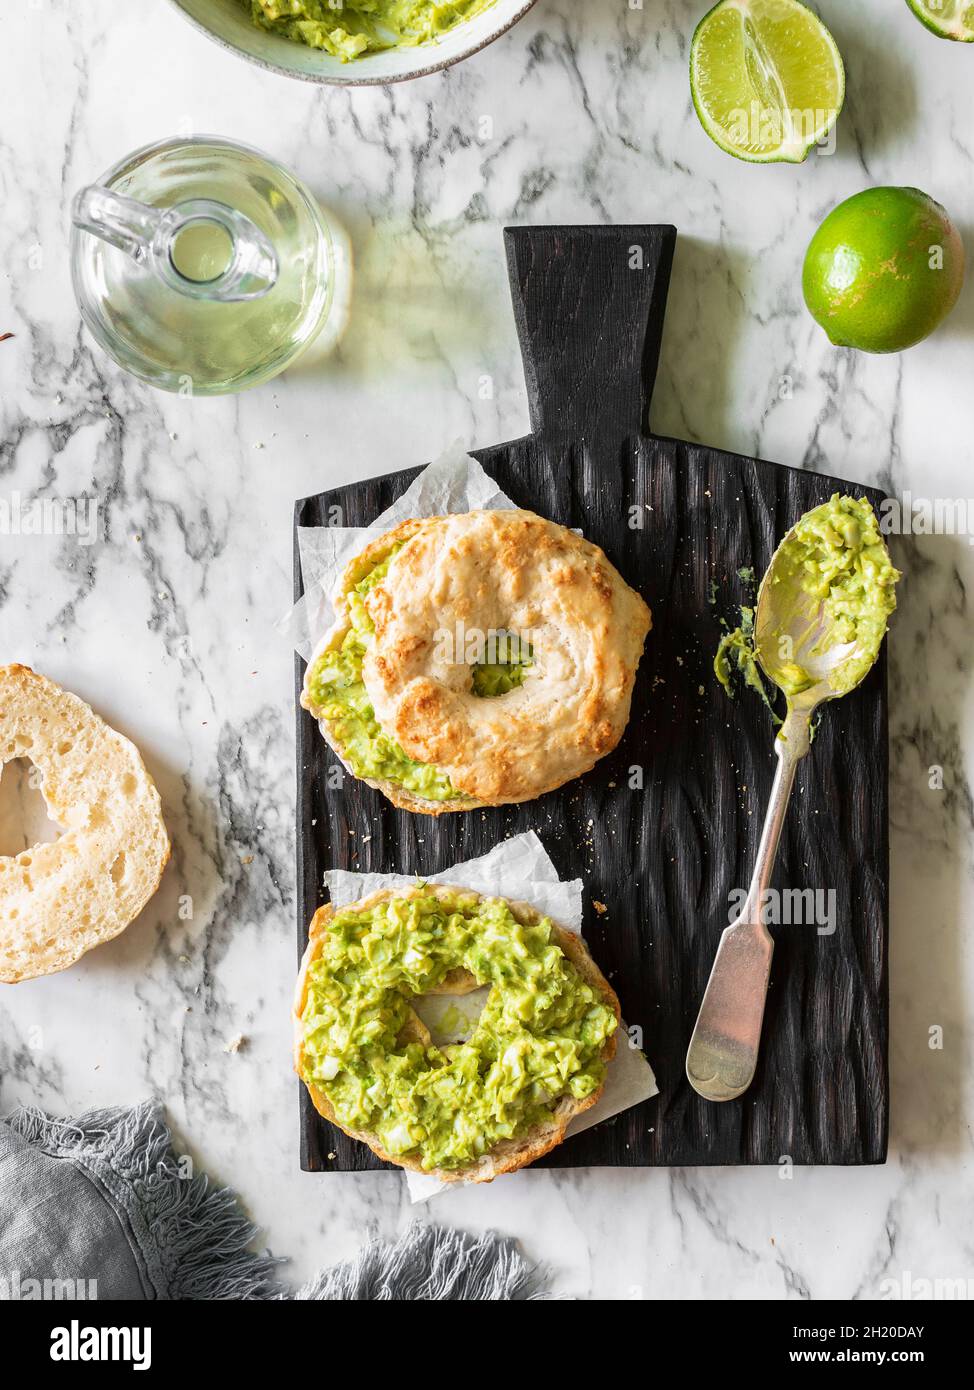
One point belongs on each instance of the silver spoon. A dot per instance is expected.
(799, 654)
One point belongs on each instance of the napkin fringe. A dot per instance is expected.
(193, 1237)
(197, 1235)
(431, 1263)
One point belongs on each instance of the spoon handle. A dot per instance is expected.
(723, 1052)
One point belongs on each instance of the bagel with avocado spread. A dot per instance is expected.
(471, 1110)
(478, 659)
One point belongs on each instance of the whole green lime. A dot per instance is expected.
(883, 270)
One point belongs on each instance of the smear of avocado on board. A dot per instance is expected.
(737, 656)
(351, 28)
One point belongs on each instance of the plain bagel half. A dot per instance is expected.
(59, 900)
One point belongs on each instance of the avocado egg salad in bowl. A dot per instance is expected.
(355, 42)
(478, 659)
(469, 1110)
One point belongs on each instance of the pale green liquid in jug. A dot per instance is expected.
(202, 252)
(194, 345)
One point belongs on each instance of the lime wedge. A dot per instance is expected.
(951, 19)
(767, 79)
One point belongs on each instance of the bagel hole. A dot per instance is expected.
(25, 824)
(508, 656)
(451, 1018)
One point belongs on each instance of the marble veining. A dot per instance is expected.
(167, 622)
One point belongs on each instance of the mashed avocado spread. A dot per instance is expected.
(837, 555)
(337, 693)
(539, 1037)
(348, 28)
(736, 655)
(512, 660)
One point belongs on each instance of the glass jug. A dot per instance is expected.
(203, 267)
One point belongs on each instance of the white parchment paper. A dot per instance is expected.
(518, 869)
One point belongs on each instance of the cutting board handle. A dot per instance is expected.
(589, 304)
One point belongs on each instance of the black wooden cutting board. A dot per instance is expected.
(666, 828)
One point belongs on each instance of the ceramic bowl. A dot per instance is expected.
(229, 23)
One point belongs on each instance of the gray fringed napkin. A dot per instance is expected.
(100, 1207)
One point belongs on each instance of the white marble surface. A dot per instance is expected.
(168, 625)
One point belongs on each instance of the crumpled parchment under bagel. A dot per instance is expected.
(59, 900)
(509, 1154)
(496, 571)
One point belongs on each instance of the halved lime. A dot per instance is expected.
(767, 79)
(951, 19)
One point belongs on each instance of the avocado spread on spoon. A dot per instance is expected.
(836, 555)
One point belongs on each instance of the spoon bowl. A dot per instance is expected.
(795, 638)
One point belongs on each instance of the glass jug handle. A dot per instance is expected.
(149, 236)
